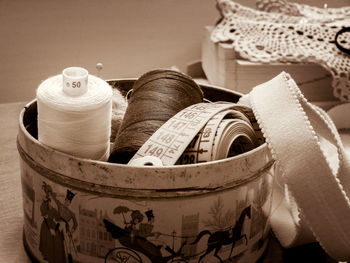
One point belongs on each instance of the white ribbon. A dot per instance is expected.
(312, 186)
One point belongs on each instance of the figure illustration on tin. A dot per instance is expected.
(135, 239)
(47, 245)
(56, 240)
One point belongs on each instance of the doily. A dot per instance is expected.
(320, 15)
(279, 31)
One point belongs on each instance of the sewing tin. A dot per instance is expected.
(80, 210)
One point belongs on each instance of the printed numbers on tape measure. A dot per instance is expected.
(76, 84)
(158, 150)
(188, 115)
(165, 137)
(170, 141)
(195, 122)
(198, 107)
(154, 150)
(207, 132)
(187, 159)
(176, 124)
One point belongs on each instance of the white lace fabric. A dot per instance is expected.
(315, 14)
(279, 31)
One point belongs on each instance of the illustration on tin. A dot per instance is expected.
(134, 235)
(59, 222)
(225, 237)
(68, 226)
(134, 239)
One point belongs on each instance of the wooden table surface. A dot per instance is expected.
(11, 213)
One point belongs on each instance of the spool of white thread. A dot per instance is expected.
(74, 114)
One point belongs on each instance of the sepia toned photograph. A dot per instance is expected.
(175, 131)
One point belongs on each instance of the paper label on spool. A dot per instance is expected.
(75, 81)
(169, 142)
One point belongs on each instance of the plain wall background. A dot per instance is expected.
(39, 38)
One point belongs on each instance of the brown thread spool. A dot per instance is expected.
(156, 97)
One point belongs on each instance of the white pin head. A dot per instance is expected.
(99, 67)
(75, 81)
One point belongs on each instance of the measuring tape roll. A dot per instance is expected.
(202, 132)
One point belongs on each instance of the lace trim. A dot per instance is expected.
(280, 31)
(321, 15)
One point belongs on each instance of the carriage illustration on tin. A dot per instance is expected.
(135, 243)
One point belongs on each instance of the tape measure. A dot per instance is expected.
(200, 133)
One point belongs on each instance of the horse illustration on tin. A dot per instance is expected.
(224, 237)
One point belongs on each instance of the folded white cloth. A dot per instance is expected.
(312, 182)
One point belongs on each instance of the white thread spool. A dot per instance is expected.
(74, 114)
